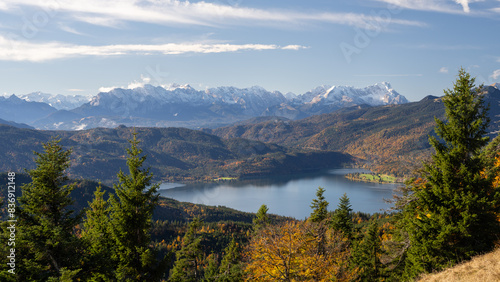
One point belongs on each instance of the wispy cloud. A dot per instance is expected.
(444, 70)
(135, 84)
(442, 6)
(70, 29)
(175, 12)
(17, 50)
(390, 75)
(465, 5)
(425, 5)
(495, 74)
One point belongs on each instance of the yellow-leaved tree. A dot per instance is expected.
(289, 252)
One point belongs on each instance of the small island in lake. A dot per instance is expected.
(373, 177)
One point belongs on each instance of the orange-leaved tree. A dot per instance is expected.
(288, 252)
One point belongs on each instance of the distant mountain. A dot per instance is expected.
(182, 105)
(58, 101)
(15, 124)
(325, 99)
(18, 110)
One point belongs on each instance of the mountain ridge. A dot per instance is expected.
(181, 105)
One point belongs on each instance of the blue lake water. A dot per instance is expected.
(288, 196)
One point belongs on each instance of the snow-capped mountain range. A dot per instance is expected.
(182, 105)
(58, 101)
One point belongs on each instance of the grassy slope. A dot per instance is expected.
(481, 268)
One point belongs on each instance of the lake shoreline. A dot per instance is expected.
(289, 195)
(373, 178)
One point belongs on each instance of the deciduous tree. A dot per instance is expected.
(288, 252)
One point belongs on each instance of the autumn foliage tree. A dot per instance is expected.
(288, 252)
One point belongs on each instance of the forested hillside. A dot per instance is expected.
(393, 138)
(173, 153)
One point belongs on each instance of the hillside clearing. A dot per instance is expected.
(481, 268)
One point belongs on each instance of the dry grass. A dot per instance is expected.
(484, 268)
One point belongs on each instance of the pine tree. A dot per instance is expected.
(342, 217)
(318, 219)
(131, 219)
(188, 264)
(96, 235)
(230, 267)
(47, 242)
(262, 219)
(453, 215)
(319, 206)
(366, 255)
(212, 269)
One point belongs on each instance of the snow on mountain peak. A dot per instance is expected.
(58, 101)
(374, 95)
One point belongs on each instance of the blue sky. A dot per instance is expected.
(82, 47)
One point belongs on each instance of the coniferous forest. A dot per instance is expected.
(60, 229)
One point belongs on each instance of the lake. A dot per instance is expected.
(285, 195)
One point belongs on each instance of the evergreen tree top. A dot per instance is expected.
(319, 206)
(466, 118)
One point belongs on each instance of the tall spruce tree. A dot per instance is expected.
(319, 206)
(318, 218)
(231, 268)
(96, 235)
(131, 219)
(452, 216)
(47, 243)
(188, 264)
(212, 268)
(262, 219)
(366, 255)
(342, 217)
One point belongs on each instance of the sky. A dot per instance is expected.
(83, 47)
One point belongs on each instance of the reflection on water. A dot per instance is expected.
(285, 195)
